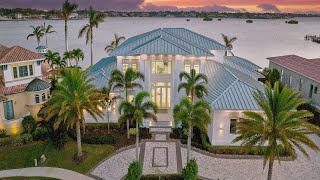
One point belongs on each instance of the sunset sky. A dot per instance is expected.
(294, 6)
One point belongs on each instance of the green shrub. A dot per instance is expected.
(134, 171)
(102, 125)
(238, 150)
(16, 140)
(162, 177)
(94, 139)
(3, 133)
(29, 124)
(40, 134)
(58, 137)
(190, 172)
(132, 131)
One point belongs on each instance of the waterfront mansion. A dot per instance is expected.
(162, 54)
(23, 88)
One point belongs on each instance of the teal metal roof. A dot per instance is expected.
(168, 41)
(37, 85)
(41, 47)
(241, 62)
(101, 72)
(230, 89)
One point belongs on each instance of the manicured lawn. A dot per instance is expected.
(63, 158)
(29, 178)
(23, 156)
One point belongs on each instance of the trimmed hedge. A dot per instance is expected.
(102, 125)
(163, 177)
(94, 139)
(134, 171)
(16, 140)
(190, 171)
(3, 133)
(40, 134)
(29, 124)
(238, 150)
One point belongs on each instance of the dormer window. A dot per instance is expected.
(4, 67)
(38, 63)
(31, 70)
(23, 71)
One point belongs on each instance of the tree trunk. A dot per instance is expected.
(270, 168)
(46, 41)
(91, 47)
(137, 141)
(226, 53)
(108, 121)
(128, 123)
(78, 138)
(189, 142)
(66, 37)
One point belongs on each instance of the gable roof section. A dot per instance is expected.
(230, 89)
(18, 53)
(100, 73)
(168, 41)
(309, 68)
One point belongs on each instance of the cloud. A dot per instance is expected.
(268, 8)
(152, 7)
(214, 8)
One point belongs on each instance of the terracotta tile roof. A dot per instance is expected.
(309, 68)
(12, 89)
(16, 54)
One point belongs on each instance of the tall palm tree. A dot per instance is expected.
(68, 57)
(114, 44)
(67, 9)
(108, 101)
(137, 111)
(281, 128)
(78, 55)
(37, 32)
(47, 30)
(95, 19)
(124, 82)
(55, 61)
(74, 95)
(194, 115)
(193, 84)
(228, 43)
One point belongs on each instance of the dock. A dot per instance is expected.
(313, 38)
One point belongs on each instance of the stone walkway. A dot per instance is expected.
(57, 173)
(162, 155)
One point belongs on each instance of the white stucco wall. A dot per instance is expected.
(219, 129)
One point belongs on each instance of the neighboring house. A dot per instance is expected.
(301, 74)
(162, 54)
(23, 88)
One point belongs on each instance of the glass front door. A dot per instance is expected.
(161, 94)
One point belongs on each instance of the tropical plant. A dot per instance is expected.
(55, 62)
(95, 19)
(193, 115)
(47, 30)
(67, 9)
(37, 32)
(78, 55)
(114, 44)
(190, 172)
(273, 76)
(74, 95)
(29, 124)
(194, 84)
(228, 43)
(134, 171)
(68, 57)
(124, 82)
(280, 127)
(137, 111)
(108, 102)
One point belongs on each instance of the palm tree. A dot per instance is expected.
(74, 95)
(194, 84)
(55, 61)
(194, 115)
(37, 32)
(95, 19)
(47, 30)
(78, 55)
(68, 56)
(281, 128)
(108, 101)
(228, 43)
(124, 82)
(114, 44)
(137, 111)
(67, 9)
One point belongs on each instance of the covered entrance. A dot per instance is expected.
(161, 94)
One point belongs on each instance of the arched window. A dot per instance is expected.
(48, 94)
(43, 97)
(37, 99)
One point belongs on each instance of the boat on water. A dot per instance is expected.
(219, 19)
(249, 21)
(207, 19)
(292, 22)
(188, 19)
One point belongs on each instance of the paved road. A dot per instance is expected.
(57, 173)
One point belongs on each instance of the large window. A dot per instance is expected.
(30, 70)
(188, 65)
(233, 126)
(8, 110)
(161, 67)
(133, 63)
(23, 71)
(15, 72)
(161, 94)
